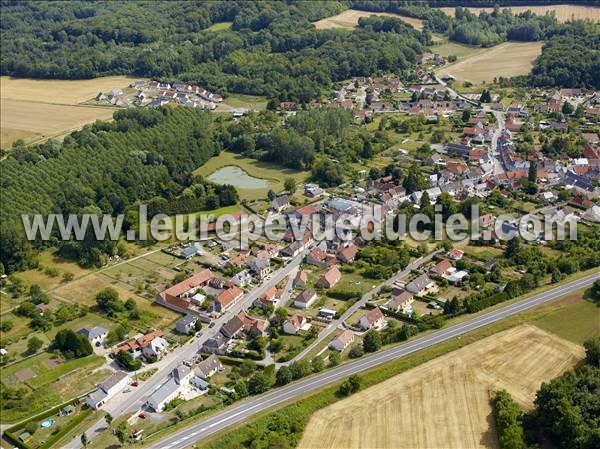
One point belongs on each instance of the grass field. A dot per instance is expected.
(274, 174)
(220, 26)
(235, 102)
(445, 403)
(574, 319)
(507, 60)
(36, 109)
(454, 48)
(563, 12)
(349, 19)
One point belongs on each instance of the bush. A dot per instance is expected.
(356, 351)
(350, 386)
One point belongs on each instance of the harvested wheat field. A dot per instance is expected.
(563, 12)
(508, 59)
(349, 19)
(36, 109)
(445, 403)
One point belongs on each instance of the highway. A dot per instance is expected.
(250, 407)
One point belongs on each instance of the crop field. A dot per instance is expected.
(36, 109)
(508, 59)
(563, 12)
(450, 394)
(349, 19)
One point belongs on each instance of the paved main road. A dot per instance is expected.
(248, 408)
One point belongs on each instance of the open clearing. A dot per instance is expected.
(508, 59)
(275, 175)
(35, 109)
(349, 19)
(445, 403)
(563, 12)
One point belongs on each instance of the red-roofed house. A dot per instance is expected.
(373, 319)
(330, 278)
(177, 296)
(295, 323)
(226, 298)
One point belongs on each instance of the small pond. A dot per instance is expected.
(238, 178)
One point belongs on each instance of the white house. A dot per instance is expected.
(305, 299)
(155, 348)
(95, 335)
(342, 341)
(163, 395)
(242, 278)
(295, 323)
(373, 319)
(107, 389)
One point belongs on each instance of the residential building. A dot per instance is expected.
(280, 203)
(209, 366)
(219, 344)
(373, 319)
(305, 299)
(155, 347)
(348, 254)
(242, 278)
(442, 267)
(95, 335)
(295, 323)
(227, 298)
(186, 324)
(342, 341)
(253, 326)
(300, 279)
(261, 267)
(163, 395)
(107, 389)
(330, 278)
(233, 327)
(401, 302)
(421, 285)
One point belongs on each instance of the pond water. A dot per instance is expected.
(238, 178)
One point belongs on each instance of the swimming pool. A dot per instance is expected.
(47, 423)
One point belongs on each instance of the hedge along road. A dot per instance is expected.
(248, 408)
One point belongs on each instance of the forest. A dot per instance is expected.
(106, 168)
(271, 48)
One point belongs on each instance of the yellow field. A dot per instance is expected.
(36, 109)
(563, 12)
(445, 403)
(349, 19)
(508, 59)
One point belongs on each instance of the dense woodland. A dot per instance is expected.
(271, 48)
(106, 168)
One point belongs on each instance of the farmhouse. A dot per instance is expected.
(178, 296)
(342, 341)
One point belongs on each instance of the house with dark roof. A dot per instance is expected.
(95, 335)
(233, 327)
(421, 285)
(207, 367)
(305, 299)
(186, 324)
